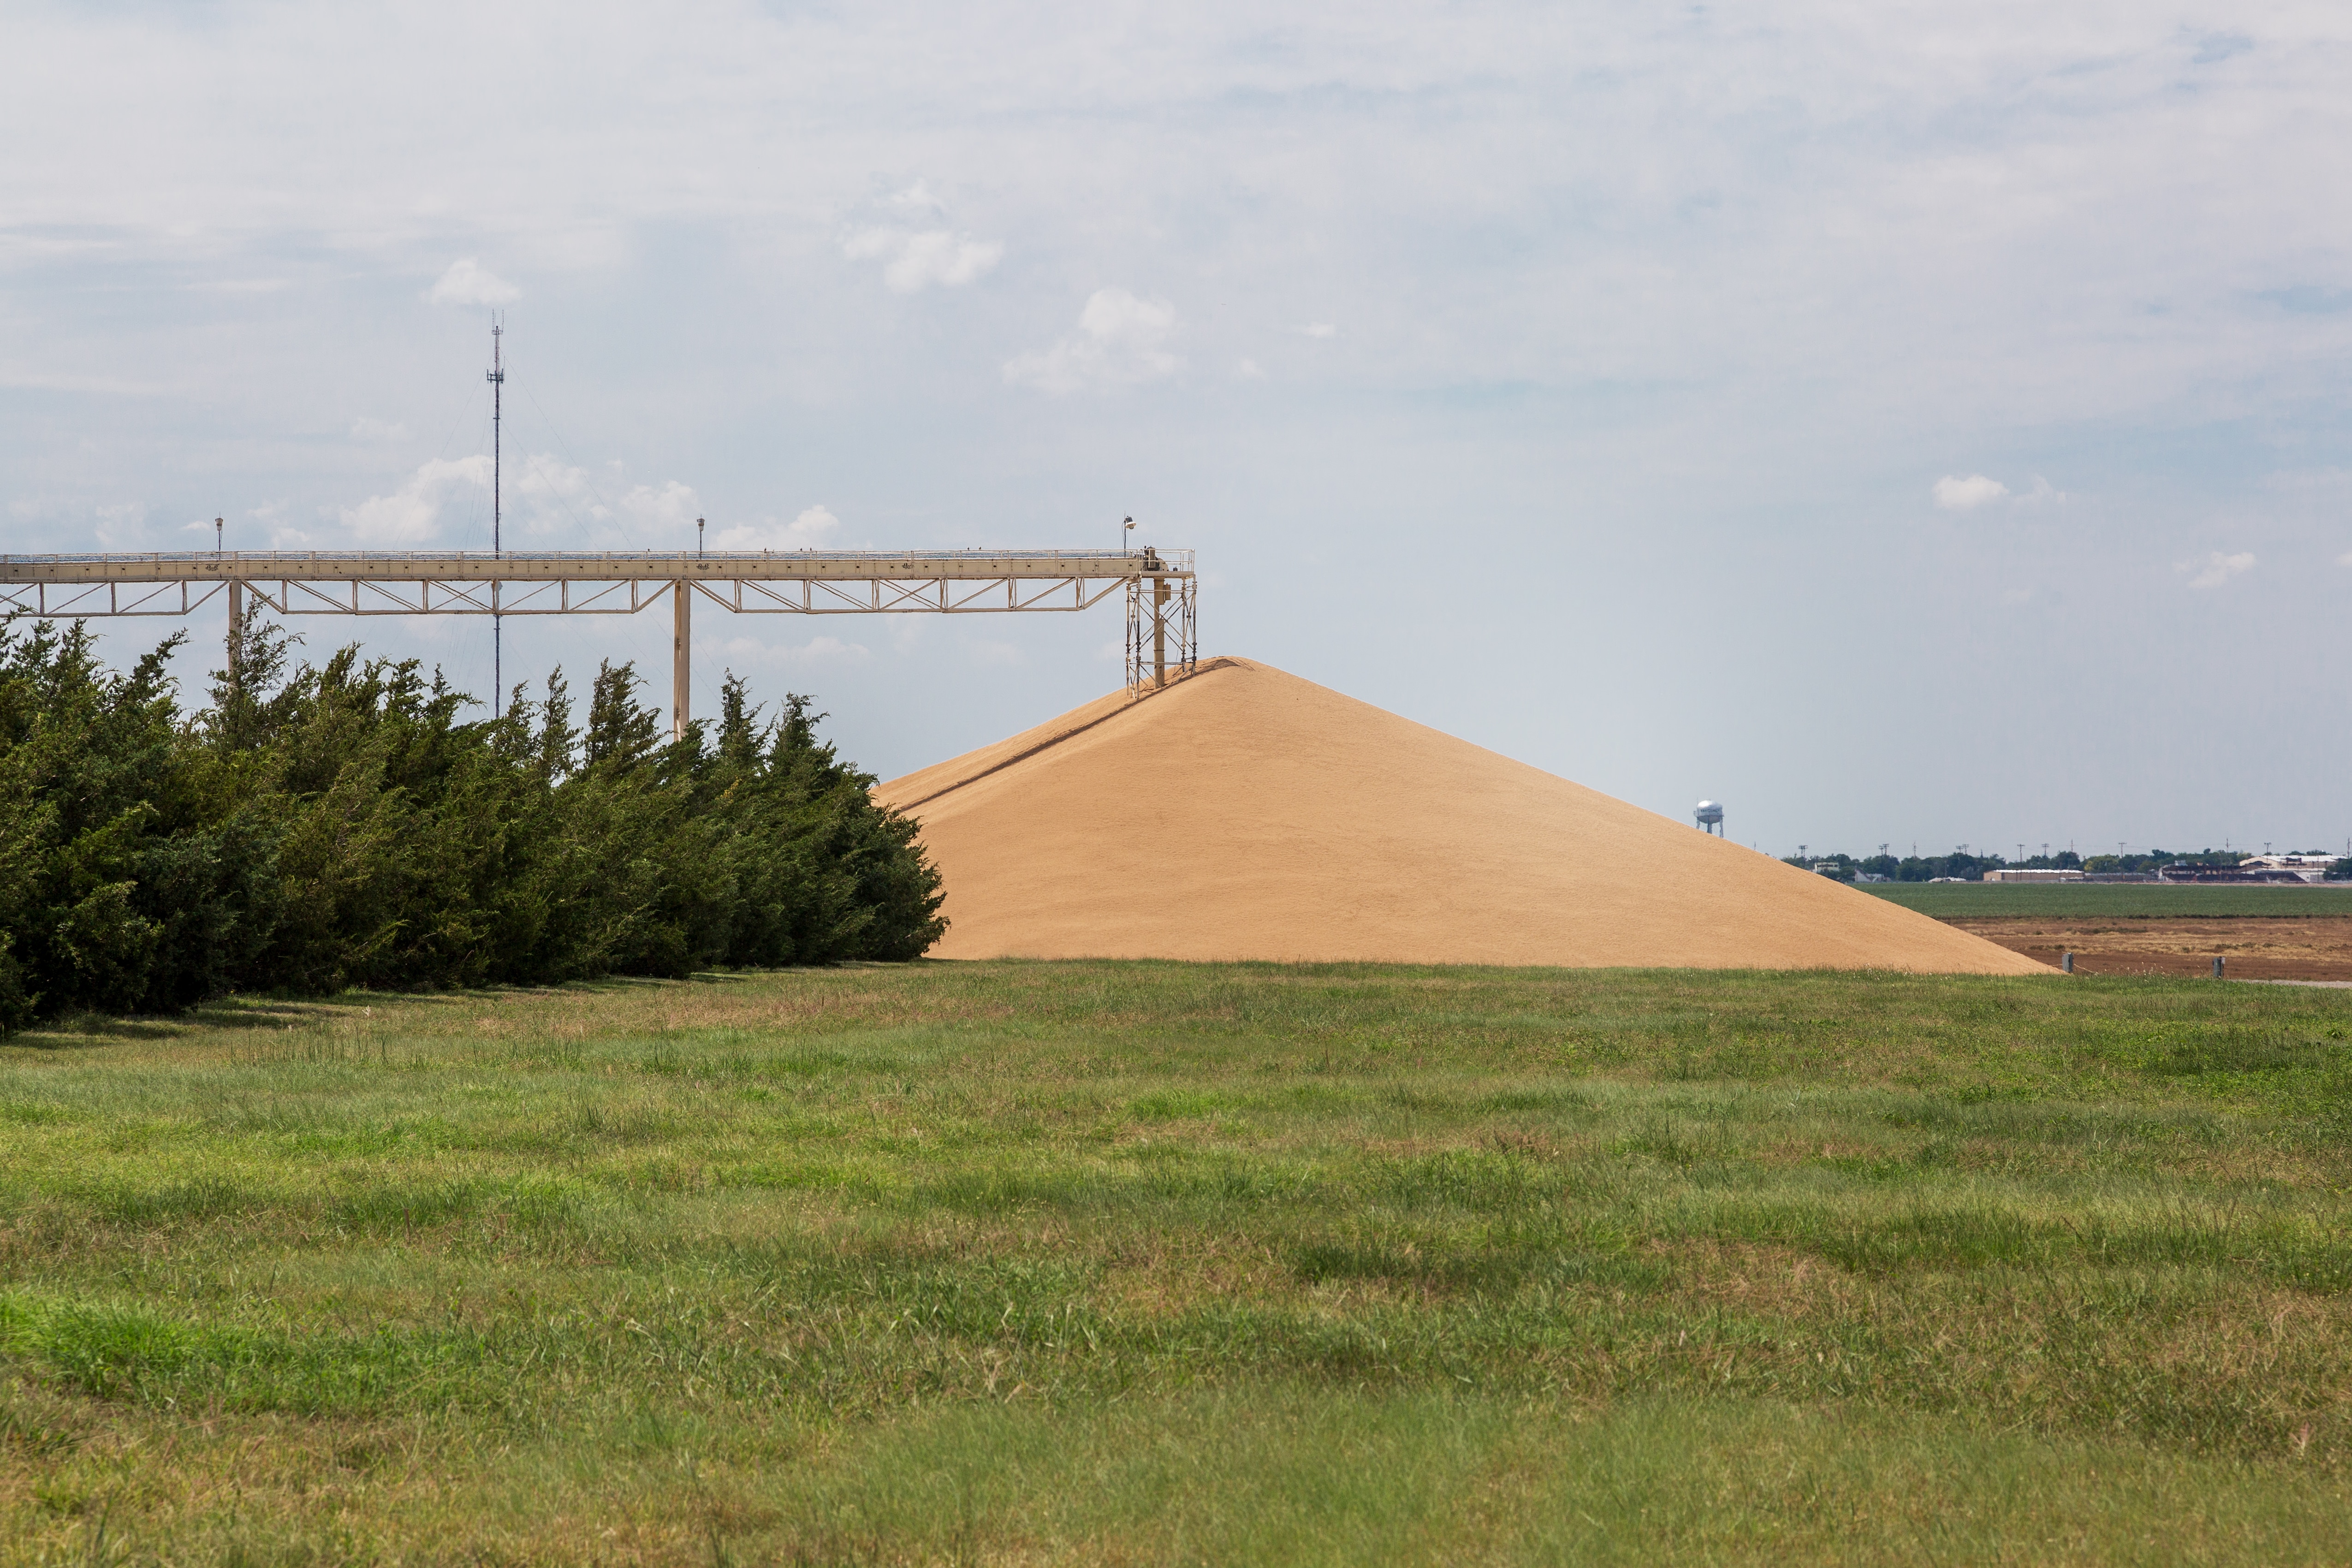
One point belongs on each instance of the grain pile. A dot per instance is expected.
(1246, 814)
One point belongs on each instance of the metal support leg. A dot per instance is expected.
(235, 630)
(1135, 636)
(681, 667)
(1159, 631)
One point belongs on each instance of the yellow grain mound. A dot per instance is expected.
(1246, 814)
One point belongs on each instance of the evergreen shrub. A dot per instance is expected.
(323, 827)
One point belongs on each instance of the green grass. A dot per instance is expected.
(1159, 1263)
(2114, 900)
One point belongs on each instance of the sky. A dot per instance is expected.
(1907, 424)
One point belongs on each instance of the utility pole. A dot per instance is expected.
(498, 379)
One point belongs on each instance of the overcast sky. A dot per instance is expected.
(1905, 423)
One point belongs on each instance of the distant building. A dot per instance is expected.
(2306, 867)
(2033, 874)
(2256, 870)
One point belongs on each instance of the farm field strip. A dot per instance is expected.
(2116, 901)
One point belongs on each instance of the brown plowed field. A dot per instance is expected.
(2254, 947)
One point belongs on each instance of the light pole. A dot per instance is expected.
(1125, 529)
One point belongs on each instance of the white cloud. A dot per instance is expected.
(2214, 569)
(668, 508)
(1966, 495)
(1120, 341)
(466, 282)
(412, 515)
(916, 198)
(915, 260)
(810, 530)
(122, 527)
(1248, 371)
(1319, 329)
(548, 496)
(366, 429)
(279, 536)
(553, 501)
(279, 533)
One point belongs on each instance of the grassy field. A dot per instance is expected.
(2120, 900)
(1155, 1263)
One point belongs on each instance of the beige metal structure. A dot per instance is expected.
(574, 582)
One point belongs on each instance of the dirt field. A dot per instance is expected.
(2255, 948)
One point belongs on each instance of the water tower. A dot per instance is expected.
(1710, 818)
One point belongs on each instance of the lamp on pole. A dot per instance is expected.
(1125, 529)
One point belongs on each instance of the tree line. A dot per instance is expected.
(323, 827)
(1969, 867)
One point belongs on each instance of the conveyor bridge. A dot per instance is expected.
(1158, 587)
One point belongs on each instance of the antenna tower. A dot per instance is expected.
(496, 374)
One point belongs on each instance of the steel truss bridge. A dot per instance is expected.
(1158, 587)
